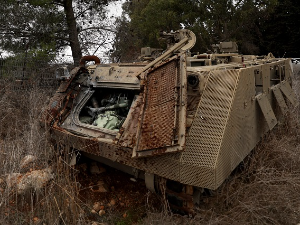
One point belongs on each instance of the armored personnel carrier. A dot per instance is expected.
(182, 122)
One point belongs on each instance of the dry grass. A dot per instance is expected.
(263, 190)
(21, 135)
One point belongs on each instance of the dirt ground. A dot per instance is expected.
(121, 196)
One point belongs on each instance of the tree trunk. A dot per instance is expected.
(73, 33)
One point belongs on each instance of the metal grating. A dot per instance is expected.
(280, 99)
(244, 128)
(207, 131)
(157, 128)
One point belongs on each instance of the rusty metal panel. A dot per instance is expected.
(267, 110)
(127, 134)
(162, 122)
(52, 111)
(288, 92)
(158, 121)
(279, 97)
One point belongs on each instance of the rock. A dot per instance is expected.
(133, 179)
(97, 223)
(27, 163)
(101, 212)
(12, 179)
(36, 180)
(95, 169)
(112, 202)
(100, 187)
(97, 206)
(36, 220)
(93, 211)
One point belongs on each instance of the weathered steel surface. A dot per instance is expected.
(157, 126)
(288, 92)
(280, 99)
(267, 110)
(127, 133)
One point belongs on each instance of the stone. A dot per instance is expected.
(36, 179)
(95, 169)
(112, 202)
(36, 220)
(101, 212)
(27, 163)
(101, 187)
(133, 179)
(97, 223)
(97, 206)
(12, 179)
(93, 211)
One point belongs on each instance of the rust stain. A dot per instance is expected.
(89, 58)
(129, 129)
(159, 151)
(157, 124)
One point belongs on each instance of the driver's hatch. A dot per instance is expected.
(161, 107)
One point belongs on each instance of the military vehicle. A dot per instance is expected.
(181, 121)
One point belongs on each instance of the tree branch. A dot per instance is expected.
(98, 28)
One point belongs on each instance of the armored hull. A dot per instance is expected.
(181, 119)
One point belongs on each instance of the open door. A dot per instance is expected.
(162, 121)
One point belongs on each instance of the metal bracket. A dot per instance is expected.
(288, 92)
(279, 97)
(267, 110)
(149, 181)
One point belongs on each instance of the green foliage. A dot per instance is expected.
(54, 25)
(282, 31)
(126, 46)
(148, 18)
(251, 23)
(29, 26)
